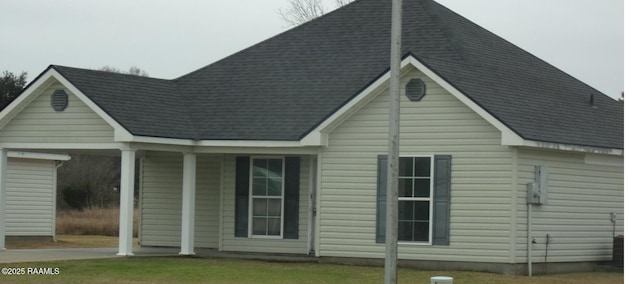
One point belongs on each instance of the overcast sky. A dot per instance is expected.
(168, 39)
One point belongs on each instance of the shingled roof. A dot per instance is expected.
(281, 88)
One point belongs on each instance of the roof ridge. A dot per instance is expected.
(189, 113)
(54, 66)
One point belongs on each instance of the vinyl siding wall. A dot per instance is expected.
(39, 123)
(481, 222)
(577, 217)
(231, 243)
(31, 198)
(161, 195)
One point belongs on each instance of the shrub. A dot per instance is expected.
(76, 197)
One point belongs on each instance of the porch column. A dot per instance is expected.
(188, 203)
(3, 194)
(127, 177)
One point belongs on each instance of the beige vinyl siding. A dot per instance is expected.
(161, 195)
(438, 125)
(30, 204)
(231, 243)
(39, 123)
(580, 198)
(161, 206)
(207, 223)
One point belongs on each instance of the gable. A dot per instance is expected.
(38, 122)
(509, 136)
(437, 122)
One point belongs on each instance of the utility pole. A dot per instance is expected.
(391, 234)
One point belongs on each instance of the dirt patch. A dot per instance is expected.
(64, 241)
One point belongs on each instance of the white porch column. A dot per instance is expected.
(188, 203)
(127, 177)
(3, 194)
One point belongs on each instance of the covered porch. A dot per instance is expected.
(54, 116)
(187, 197)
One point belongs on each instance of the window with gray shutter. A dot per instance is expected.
(267, 197)
(415, 199)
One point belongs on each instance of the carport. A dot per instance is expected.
(52, 115)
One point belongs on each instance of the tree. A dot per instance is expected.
(341, 3)
(89, 181)
(302, 11)
(132, 71)
(10, 87)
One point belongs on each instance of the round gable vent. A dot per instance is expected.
(59, 100)
(415, 90)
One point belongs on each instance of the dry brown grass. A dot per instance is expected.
(95, 221)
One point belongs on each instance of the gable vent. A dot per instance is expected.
(59, 100)
(415, 90)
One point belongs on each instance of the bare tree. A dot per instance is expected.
(137, 71)
(133, 70)
(301, 11)
(341, 3)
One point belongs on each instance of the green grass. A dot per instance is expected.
(194, 270)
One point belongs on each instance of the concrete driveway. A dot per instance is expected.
(38, 255)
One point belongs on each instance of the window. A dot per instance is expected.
(414, 199)
(267, 193)
(424, 198)
(264, 174)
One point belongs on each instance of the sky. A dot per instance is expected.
(167, 39)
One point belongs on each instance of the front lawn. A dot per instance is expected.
(195, 270)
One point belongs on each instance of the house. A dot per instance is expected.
(279, 148)
(30, 206)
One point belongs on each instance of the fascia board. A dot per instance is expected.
(568, 147)
(38, 156)
(219, 143)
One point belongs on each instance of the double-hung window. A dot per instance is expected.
(267, 194)
(424, 198)
(414, 199)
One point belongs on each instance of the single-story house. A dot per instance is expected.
(280, 148)
(30, 206)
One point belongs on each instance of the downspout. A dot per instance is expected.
(529, 239)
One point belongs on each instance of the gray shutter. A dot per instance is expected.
(381, 199)
(243, 165)
(291, 196)
(441, 199)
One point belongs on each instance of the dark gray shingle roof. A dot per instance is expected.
(144, 106)
(283, 87)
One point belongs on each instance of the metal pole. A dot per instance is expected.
(391, 245)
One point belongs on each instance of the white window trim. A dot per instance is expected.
(251, 235)
(430, 199)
